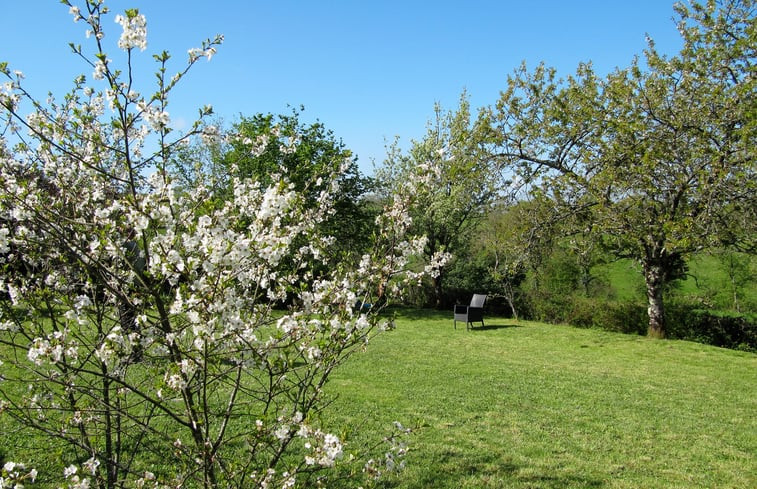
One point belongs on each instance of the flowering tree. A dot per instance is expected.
(138, 323)
(263, 145)
(454, 156)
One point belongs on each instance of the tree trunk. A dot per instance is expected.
(437, 281)
(654, 276)
(510, 297)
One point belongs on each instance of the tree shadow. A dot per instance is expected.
(420, 314)
(416, 314)
(491, 469)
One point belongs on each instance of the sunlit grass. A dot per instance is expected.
(707, 282)
(529, 405)
(538, 406)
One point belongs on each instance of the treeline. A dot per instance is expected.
(653, 163)
(532, 263)
(524, 199)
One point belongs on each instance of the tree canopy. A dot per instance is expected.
(454, 159)
(266, 146)
(659, 158)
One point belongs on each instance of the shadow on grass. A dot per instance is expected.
(489, 327)
(560, 482)
(414, 314)
(417, 314)
(490, 470)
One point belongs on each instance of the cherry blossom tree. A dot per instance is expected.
(138, 325)
(264, 145)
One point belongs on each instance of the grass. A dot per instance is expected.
(530, 405)
(626, 279)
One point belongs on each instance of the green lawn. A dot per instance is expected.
(530, 405)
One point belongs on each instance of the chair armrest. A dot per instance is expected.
(475, 313)
(461, 309)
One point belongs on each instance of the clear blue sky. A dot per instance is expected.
(369, 70)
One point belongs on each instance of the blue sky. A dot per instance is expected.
(369, 70)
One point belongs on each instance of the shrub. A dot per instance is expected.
(727, 331)
(684, 321)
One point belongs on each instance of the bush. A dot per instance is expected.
(541, 305)
(618, 316)
(728, 331)
(684, 322)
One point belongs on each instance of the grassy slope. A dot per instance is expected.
(626, 280)
(707, 278)
(538, 406)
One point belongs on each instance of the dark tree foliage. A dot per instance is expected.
(265, 144)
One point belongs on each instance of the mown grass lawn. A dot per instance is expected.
(529, 405)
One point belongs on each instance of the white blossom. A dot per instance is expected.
(4, 241)
(134, 33)
(91, 465)
(282, 432)
(176, 382)
(74, 10)
(211, 134)
(259, 145)
(101, 68)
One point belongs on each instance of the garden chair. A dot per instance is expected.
(472, 313)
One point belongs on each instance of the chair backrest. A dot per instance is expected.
(478, 300)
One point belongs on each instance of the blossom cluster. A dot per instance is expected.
(9, 96)
(74, 480)
(52, 349)
(325, 448)
(394, 457)
(134, 33)
(13, 475)
(156, 118)
(197, 53)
